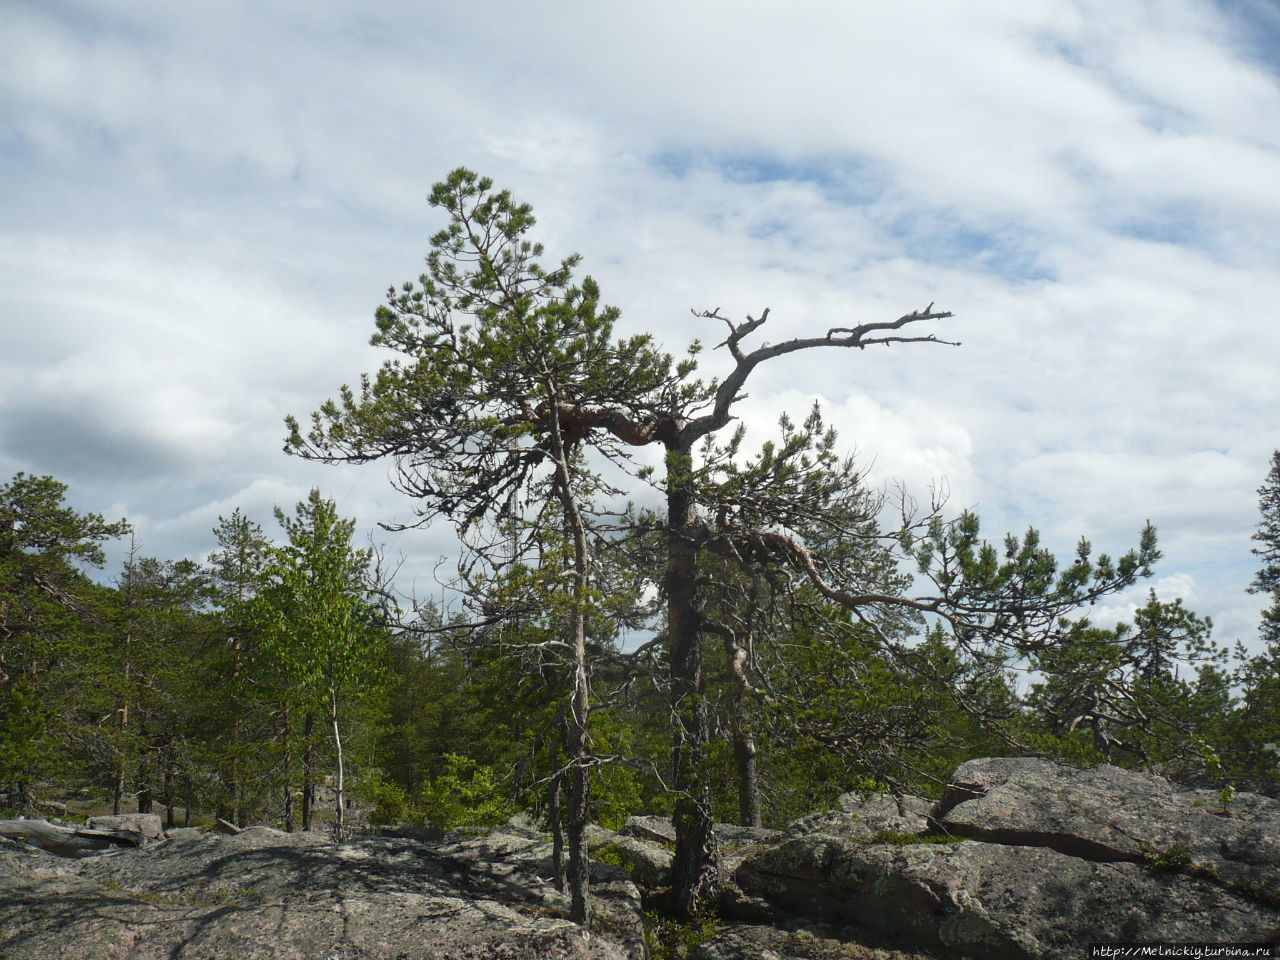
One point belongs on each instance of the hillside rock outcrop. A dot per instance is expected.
(1022, 859)
(264, 893)
(1025, 858)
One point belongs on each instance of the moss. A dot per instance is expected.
(197, 897)
(608, 853)
(669, 939)
(1176, 858)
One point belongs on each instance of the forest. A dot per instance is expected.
(772, 635)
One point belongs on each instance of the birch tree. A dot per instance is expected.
(320, 621)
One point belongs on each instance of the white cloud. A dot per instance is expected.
(215, 198)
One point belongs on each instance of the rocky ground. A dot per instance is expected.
(1021, 859)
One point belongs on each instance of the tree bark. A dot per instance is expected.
(168, 794)
(744, 752)
(695, 870)
(66, 841)
(288, 775)
(237, 790)
(577, 743)
(308, 775)
(557, 826)
(117, 794)
(340, 799)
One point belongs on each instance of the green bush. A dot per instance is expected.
(467, 794)
(670, 939)
(388, 802)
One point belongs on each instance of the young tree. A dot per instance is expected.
(319, 615)
(1257, 723)
(237, 571)
(1267, 579)
(1124, 687)
(161, 629)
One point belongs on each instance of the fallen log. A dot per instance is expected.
(66, 841)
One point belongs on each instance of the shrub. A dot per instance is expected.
(466, 794)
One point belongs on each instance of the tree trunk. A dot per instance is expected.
(579, 809)
(117, 795)
(308, 775)
(744, 751)
(577, 743)
(168, 795)
(557, 827)
(340, 804)
(236, 790)
(695, 869)
(145, 799)
(288, 775)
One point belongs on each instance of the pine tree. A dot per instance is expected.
(48, 609)
(483, 412)
(1267, 579)
(237, 571)
(508, 371)
(1257, 722)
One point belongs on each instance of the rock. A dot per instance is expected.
(651, 829)
(738, 941)
(997, 901)
(861, 816)
(662, 831)
(1109, 813)
(648, 863)
(146, 825)
(646, 845)
(1058, 858)
(263, 893)
(598, 836)
(731, 835)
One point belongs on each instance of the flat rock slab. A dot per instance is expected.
(997, 901)
(649, 863)
(263, 893)
(661, 830)
(1109, 813)
(650, 829)
(861, 816)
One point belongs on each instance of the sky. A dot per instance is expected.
(202, 204)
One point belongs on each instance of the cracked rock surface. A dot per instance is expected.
(1025, 858)
(1022, 859)
(263, 893)
(1113, 814)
